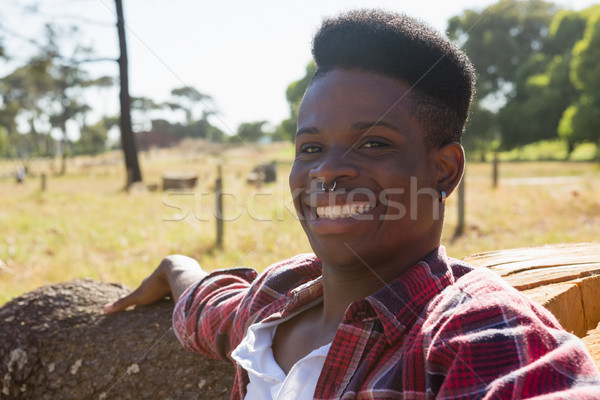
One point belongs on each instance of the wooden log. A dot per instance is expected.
(57, 344)
(564, 278)
(592, 343)
(510, 261)
(564, 302)
(179, 180)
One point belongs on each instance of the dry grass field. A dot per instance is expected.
(85, 225)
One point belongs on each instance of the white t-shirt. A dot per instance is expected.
(267, 379)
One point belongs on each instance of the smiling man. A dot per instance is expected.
(378, 311)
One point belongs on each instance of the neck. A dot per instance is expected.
(343, 285)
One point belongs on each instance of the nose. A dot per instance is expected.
(335, 164)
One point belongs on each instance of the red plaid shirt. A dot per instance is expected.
(442, 330)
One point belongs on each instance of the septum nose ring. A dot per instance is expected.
(331, 189)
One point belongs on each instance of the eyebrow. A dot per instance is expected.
(361, 126)
(311, 130)
(357, 126)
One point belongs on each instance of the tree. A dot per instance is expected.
(3, 142)
(196, 108)
(544, 86)
(93, 139)
(481, 134)
(294, 93)
(67, 317)
(535, 111)
(25, 92)
(69, 81)
(251, 131)
(581, 121)
(48, 92)
(140, 108)
(132, 166)
(514, 29)
(501, 41)
(127, 138)
(188, 99)
(8, 122)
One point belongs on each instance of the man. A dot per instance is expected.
(379, 311)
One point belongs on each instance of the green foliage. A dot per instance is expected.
(195, 106)
(188, 99)
(93, 139)
(481, 135)
(189, 93)
(47, 92)
(505, 42)
(534, 113)
(542, 77)
(581, 120)
(251, 131)
(203, 129)
(294, 93)
(197, 129)
(3, 142)
(565, 30)
(500, 38)
(585, 68)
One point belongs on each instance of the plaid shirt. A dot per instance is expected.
(442, 330)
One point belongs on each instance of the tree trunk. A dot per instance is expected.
(56, 344)
(132, 165)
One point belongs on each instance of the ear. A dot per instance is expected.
(450, 167)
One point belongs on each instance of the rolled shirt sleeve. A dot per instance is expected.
(204, 315)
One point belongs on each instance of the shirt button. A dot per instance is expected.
(288, 396)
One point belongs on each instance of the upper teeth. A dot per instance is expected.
(343, 211)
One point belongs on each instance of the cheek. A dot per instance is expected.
(293, 179)
(296, 184)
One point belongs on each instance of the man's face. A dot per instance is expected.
(355, 128)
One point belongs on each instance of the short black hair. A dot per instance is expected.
(401, 47)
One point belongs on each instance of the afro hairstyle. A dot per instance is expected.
(400, 47)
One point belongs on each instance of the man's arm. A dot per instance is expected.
(173, 275)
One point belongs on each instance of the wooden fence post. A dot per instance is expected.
(460, 227)
(219, 206)
(495, 171)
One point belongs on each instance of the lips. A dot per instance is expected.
(343, 210)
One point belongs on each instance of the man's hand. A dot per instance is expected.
(173, 275)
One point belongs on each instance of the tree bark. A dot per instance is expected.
(57, 344)
(132, 165)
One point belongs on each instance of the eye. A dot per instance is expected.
(371, 144)
(310, 149)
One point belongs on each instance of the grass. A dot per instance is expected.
(85, 225)
(549, 150)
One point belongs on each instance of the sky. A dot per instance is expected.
(242, 53)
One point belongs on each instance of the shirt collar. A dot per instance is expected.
(397, 305)
(400, 303)
(303, 296)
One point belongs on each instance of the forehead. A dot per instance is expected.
(354, 95)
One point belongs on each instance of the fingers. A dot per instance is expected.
(119, 305)
(172, 276)
(151, 290)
